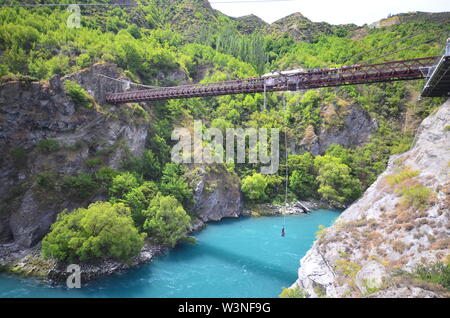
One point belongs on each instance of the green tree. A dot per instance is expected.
(254, 187)
(340, 152)
(101, 231)
(335, 182)
(105, 176)
(167, 221)
(79, 187)
(138, 200)
(78, 95)
(303, 179)
(122, 184)
(174, 182)
(147, 166)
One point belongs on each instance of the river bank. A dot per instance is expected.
(237, 257)
(30, 263)
(292, 208)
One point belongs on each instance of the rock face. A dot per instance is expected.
(401, 220)
(32, 112)
(217, 193)
(354, 128)
(303, 29)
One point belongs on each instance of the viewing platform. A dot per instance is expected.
(438, 77)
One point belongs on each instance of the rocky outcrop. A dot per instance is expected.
(31, 112)
(217, 193)
(303, 29)
(29, 262)
(349, 128)
(401, 220)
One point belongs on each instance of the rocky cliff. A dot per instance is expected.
(349, 128)
(217, 193)
(402, 220)
(44, 136)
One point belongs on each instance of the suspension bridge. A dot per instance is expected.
(434, 69)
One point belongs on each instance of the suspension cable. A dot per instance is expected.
(379, 48)
(412, 47)
(128, 82)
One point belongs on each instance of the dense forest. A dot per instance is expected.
(152, 197)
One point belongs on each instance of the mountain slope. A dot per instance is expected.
(250, 24)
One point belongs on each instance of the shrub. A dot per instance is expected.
(174, 183)
(101, 231)
(20, 157)
(295, 292)
(347, 268)
(416, 196)
(48, 145)
(402, 175)
(321, 232)
(254, 187)
(79, 187)
(399, 246)
(148, 165)
(438, 273)
(336, 184)
(139, 112)
(78, 95)
(138, 200)
(94, 162)
(302, 180)
(274, 185)
(167, 221)
(122, 184)
(104, 176)
(84, 60)
(46, 180)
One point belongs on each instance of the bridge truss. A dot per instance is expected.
(348, 75)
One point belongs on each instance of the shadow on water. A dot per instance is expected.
(136, 286)
(252, 264)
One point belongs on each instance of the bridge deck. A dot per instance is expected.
(347, 75)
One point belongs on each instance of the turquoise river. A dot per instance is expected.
(242, 258)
